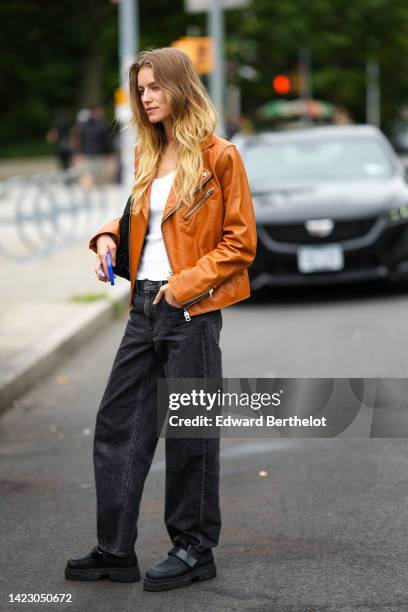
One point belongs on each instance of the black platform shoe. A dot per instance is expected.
(181, 568)
(100, 564)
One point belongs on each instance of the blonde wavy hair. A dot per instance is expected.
(194, 119)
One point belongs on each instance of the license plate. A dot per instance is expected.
(320, 259)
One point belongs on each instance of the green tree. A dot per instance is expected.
(57, 54)
(341, 36)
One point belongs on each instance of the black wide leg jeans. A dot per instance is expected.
(158, 343)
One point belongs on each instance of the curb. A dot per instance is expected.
(43, 357)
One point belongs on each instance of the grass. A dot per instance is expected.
(119, 308)
(26, 149)
(86, 298)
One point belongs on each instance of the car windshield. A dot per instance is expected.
(309, 161)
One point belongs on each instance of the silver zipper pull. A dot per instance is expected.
(186, 315)
(211, 291)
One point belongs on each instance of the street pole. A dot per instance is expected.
(373, 104)
(128, 47)
(216, 80)
(305, 72)
(215, 26)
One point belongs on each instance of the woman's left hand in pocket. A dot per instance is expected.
(166, 292)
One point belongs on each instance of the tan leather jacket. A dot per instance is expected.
(210, 244)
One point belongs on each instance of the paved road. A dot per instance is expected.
(348, 331)
(325, 530)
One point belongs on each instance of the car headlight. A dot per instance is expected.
(398, 214)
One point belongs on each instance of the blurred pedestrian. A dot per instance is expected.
(96, 147)
(82, 115)
(60, 135)
(192, 236)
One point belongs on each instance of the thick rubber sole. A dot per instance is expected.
(205, 572)
(117, 574)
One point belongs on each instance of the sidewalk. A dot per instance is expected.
(49, 307)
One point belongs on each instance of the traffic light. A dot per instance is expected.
(289, 83)
(281, 84)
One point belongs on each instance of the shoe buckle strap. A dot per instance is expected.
(184, 555)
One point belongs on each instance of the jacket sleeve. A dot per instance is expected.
(112, 227)
(237, 248)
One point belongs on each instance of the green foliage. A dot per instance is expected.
(49, 51)
(120, 309)
(341, 36)
(86, 298)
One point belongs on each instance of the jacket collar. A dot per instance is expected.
(207, 142)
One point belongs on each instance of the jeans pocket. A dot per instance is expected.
(180, 309)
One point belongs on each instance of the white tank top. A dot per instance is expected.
(154, 263)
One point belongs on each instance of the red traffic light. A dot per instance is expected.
(281, 84)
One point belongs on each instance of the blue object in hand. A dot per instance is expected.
(110, 269)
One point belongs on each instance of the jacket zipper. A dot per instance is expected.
(198, 297)
(199, 203)
(194, 300)
(207, 178)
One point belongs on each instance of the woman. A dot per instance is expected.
(186, 264)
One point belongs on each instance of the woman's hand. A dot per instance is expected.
(165, 290)
(104, 244)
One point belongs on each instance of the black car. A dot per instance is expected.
(331, 205)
